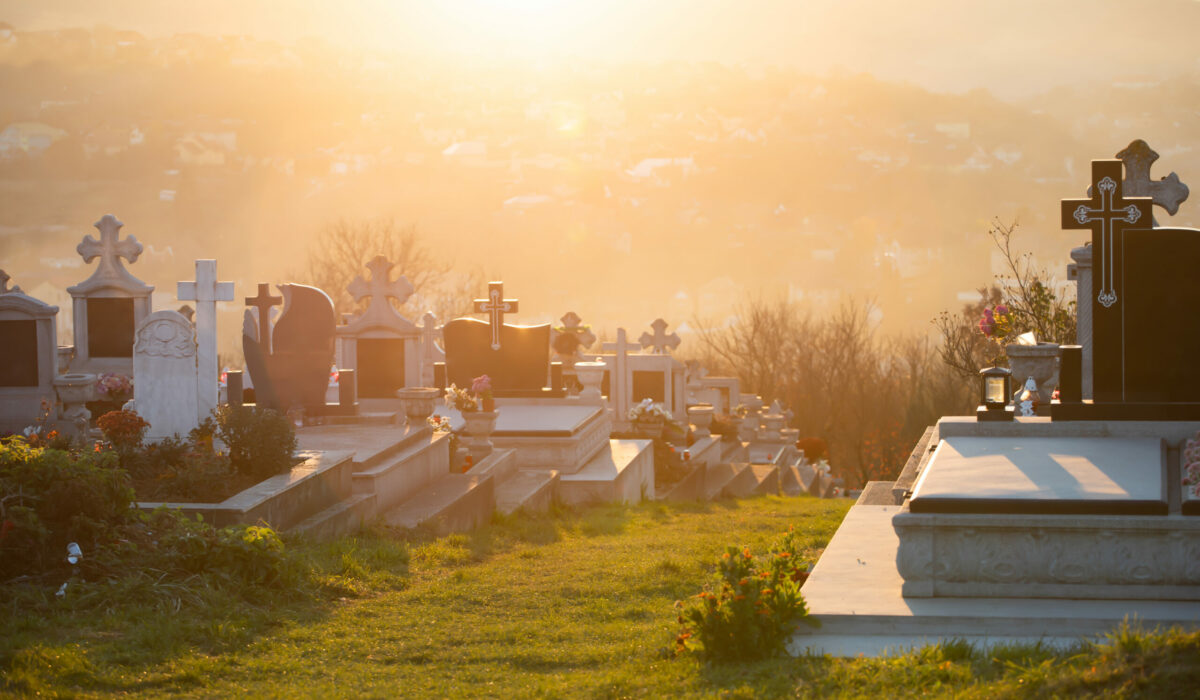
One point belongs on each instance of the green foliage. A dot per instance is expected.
(753, 614)
(261, 442)
(52, 497)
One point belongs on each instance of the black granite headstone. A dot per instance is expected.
(1146, 352)
(649, 385)
(110, 327)
(1070, 374)
(521, 365)
(380, 367)
(296, 372)
(18, 353)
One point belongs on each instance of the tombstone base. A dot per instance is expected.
(1092, 411)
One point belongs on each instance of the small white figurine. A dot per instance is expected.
(1027, 400)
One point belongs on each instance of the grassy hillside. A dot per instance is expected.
(570, 604)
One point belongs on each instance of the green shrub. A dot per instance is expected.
(240, 554)
(261, 442)
(753, 614)
(52, 497)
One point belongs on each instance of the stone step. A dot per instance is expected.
(528, 489)
(339, 519)
(717, 477)
(789, 481)
(453, 503)
(690, 488)
(734, 452)
(401, 471)
(754, 480)
(621, 472)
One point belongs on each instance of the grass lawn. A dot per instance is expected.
(569, 604)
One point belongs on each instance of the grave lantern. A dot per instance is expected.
(995, 388)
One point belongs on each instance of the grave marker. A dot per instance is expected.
(661, 342)
(380, 344)
(165, 374)
(495, 306)
(206, 291)
(263, 303)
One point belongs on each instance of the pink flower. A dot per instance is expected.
(1001, 310)
(987, 324)
(481, 384)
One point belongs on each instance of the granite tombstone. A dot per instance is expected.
(1144, 354)
(296, 371)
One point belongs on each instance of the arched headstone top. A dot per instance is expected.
(13, 299)
(165, 334)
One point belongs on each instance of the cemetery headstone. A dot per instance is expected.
(110, 304)
(1143, 353)
(431, 354)
(660, 342)
(296, 371)
(28, 356)
(165, 374)
(380, 344)
(516, 358)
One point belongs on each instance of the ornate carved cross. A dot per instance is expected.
(1167, 192)
(109, 248)
(572, 325)
(263, 302)
(380, 288)
(4, 278)
(1108, 213)
(495, 306)
(660, 341)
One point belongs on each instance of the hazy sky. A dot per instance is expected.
(1014, 48)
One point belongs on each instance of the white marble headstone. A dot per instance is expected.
(164, 374)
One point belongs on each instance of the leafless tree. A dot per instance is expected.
(342, 249)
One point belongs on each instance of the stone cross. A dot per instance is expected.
(109, 248)
(206, 291)
(380, 288)
(1108, 213)
(618, 386)
(572, 326)
(495, 306)
(263, 302)
(4, 278)
(1167, 192)
(660, 341)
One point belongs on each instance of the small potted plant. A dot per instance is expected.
(649, 418)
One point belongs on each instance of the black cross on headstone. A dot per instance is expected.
(263, 302)
(1108, 213)
(495, 306)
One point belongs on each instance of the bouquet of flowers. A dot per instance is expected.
(649, 412)
(114, 387)
(467, 400)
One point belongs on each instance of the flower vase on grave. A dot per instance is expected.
(74, 391)
(1038, 361)
(480, 425)
(701, 416)
(418, 404)
(488, 404)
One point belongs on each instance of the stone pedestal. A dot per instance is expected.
(1083, 312)
(74, 390)
(480, 425)
(590, 375)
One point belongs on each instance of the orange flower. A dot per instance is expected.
(739, 597)
(743, 582)
(746, 552)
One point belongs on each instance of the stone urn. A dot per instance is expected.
(701, 416)
(418, 404)
(590, 375)
(1038, 361)
(747, 427)
(74, 390)
(480, 425)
